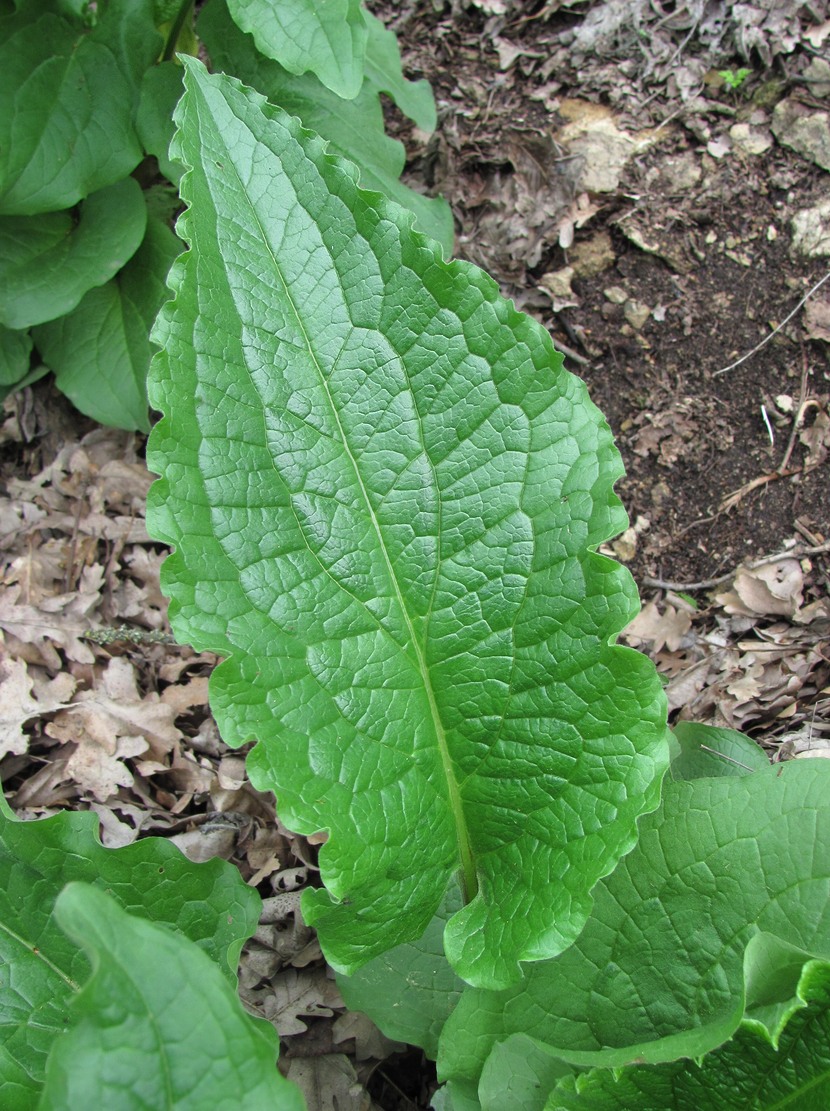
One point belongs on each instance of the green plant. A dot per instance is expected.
(386, 496)
(87, 191)
(734, 78)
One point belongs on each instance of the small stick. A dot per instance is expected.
(775, 331)
(795, 552)
(802, 398)
(731, 500)
(731, 759)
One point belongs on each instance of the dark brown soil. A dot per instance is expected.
(724, 277)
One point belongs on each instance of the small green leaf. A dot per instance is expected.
(410, 991)
(67, 102)
(686, 938)
(384, 73)
(157, 1026)
(100, 352)
(354, 128)
(385, 496)
(708, 750)
(15, 355)
(40, 970)
(160, 92)
(48, 263)
(323, 37)
(745, 1074)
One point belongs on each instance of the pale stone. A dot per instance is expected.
(811, 231)
(750, 140)
(636, 313)
(806, 132)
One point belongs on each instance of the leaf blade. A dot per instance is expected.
(386, 491)
(156, 1025)
(48, 263)
(42, 969)
(355, 128)
(67, 102)
(101, 351)
(686, 936)
(324, 37)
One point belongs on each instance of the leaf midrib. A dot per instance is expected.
(468, 870)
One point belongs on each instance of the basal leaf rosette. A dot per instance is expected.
(385, 496)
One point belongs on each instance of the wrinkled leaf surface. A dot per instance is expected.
(323, 37)
(384, 493)
(748, 1073)
(706, 923)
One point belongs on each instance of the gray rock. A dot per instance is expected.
(811, 231)
(802, 130)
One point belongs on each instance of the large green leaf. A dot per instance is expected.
(383, 71)
(47, 263)
(67, 101)
(354, 128)
(703, 751)
(41, 970)
(385, 495)
(705, 924)
(323, 37)
(749, 1073)
(157, 1026)
(100, 353)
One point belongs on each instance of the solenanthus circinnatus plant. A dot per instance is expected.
(385, 497)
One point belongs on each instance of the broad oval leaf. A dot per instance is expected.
(385, 496)
(156, 1026)
(48, 263)
(323, 37)
(706, 924)
(67, 101)
(100, 353)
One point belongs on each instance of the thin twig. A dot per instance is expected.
(731, 500)
(704, 584)
(731, 759)
(796, 552)
(775, 331)
(802, 397)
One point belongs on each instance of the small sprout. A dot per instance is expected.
(734, 78)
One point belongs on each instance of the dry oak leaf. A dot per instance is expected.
(113, 723)
(297, 994)
(56, 622)
(771, 589)
(664, 629)
(25, 695)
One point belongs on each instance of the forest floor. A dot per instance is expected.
(650, 180)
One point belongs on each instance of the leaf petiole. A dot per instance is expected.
(176, 26)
